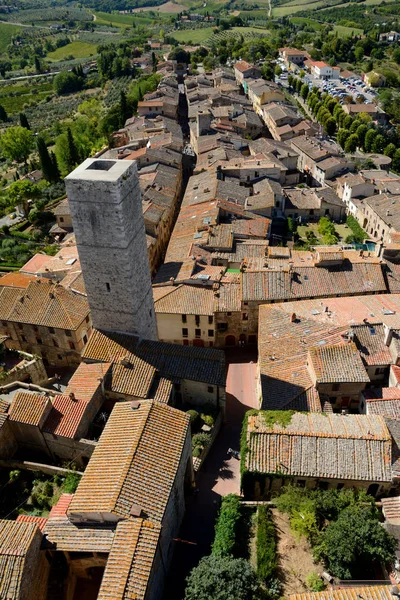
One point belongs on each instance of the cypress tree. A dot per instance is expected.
(46, 162)
(124, 108)
(56, 170)
(72, 150)
(3, 114)
(23, 119)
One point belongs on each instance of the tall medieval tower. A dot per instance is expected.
(105, 203)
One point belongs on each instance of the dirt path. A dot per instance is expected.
(295, 559)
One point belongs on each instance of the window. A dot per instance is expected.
(184, 319)
(87, 319)
(245, 317)
(5, 324)
(51, 329)
(35, 328)
(185, 332)
(197, 333)
(210, 333)
(340, 486)
(61, 219)
(335, 387)
(380, 371)
(197, 319)
(85, 339)
(108, 287)
(210, 389)
(68, 333)
(323, 485)
(301, 483)
(23, 338)
(19, 325)
(311, 211)
(210, 320)
(39, 340)
(229, 314)
(55, 343)
(245, 303)
(72, 345)
(222, 326)
(59, 356)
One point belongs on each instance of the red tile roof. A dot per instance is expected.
(65, 416)
(18, 280)
(86, 380)
(60, 509)
(39, 521)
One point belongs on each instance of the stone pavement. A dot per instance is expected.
(218, 477)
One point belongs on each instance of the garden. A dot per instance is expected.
(33, 492)
(204, 425)
(325, 232)
(264, 552)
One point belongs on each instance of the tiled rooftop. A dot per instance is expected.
(376, 592)
(29, 408)
(339, 363)
(187, 300)
(352, 447)
(130, 562)
(138, 467)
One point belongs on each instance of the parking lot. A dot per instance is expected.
(338, 88)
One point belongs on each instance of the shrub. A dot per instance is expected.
(208, 419)
(71, 483)
(358, 232)
(201, 440)
(194, 417)
(265, 544)
(226, 527)
(314, 582)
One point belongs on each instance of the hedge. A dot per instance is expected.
(265, 544)
(358, 232)
(226, 527)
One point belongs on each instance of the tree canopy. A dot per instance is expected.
(17, 143)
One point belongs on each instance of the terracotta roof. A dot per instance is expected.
(383, 401)
(228, 297)
(377, 592)
(65, 416)
(39, 521)
(370, 341)
(187, 300)
(18, 280)
(49, 305)
(62, 208)
(340, 363)
(137, 468)
(35, 263)
(17, 540)
(164, 389)
(62, 535)
(243, 66)
(391, 509)
(169, 360)
(130, 562)
(29, 408)
(60, 509)
(8, 297)
(86, 380)
(352, 447)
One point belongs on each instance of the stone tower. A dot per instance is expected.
(105, 203)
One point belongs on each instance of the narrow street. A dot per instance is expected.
(218, 477)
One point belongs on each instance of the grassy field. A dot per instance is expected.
(75, 49)
(342, 231)
(124, 21)
(309, 22)
(347, 31)
(297, 6)
(6, 33)
(195, 36)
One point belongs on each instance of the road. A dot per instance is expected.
(219, 476)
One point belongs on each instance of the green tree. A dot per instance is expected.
(389, 150)
(21, 191)
(23, 119)
(222, 579)
(56, 170)
(50, 173)
(396, 56)
(72, 149)
(124, 108)
(3, 114)
(67, 82)
(351, 143)
(278, 70)
(361, 132)
(226, 526)
(330, 126)
(369, 140)
(356, 537)
(17, 143)
(379, 144)
(304, 91)
(347, 122)
(342, 136)
(396, 161)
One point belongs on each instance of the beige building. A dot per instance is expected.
(262, 92)
(379, 216)
(244, 70)
(47, 320)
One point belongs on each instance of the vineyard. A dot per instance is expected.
(15, 98)
(114, 89)
(247, 33)
(48, 15)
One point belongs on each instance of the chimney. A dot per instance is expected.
(135, 404)
(72, 396)
(388, 334)
(293, 318)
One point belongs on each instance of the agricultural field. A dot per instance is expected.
(76, 49)
(14, 97)
(347, 31)
(6, 33)
(167, 8)
(245, 32)
(48, 15)
(194, 36)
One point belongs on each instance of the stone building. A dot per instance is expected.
(317, 450)
(105, 203)
(244, 70)
(47, 320)
(379, 216)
